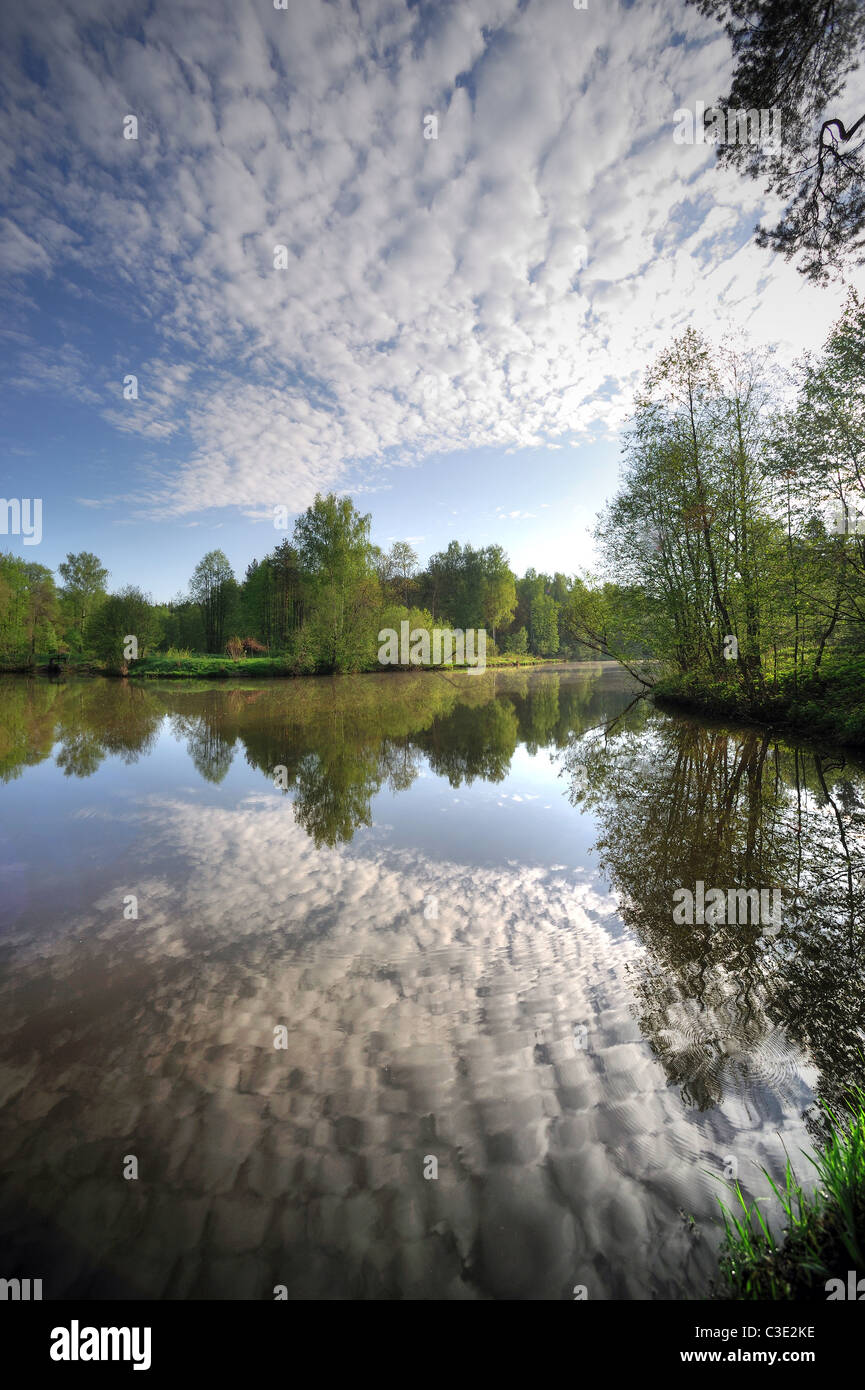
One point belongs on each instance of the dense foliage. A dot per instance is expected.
(735, 545)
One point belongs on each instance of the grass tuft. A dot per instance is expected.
(824, 1234)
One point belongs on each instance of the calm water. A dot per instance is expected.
(450, 899)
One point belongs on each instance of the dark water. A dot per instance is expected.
(450, 899)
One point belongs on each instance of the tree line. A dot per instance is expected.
(733, 551)
(317, 600)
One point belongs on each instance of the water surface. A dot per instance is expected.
(450, 898)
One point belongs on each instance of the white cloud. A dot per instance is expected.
(19, 252)
(436, 296)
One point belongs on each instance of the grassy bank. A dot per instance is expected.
(824, 1236)
(209, 667)
(196, 667)
(830, 704)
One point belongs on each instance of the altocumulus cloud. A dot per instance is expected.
(502, 284)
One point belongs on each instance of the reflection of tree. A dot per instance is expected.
(27, 722)
(210, 747)
(339, 740)
(679, 802)
(401, 764)
(91, 720)
(81, 753)
(102, 718)
(547, 714)
(333, 797)
(470, 743)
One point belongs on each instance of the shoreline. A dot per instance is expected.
(266, 668)
(829, 707)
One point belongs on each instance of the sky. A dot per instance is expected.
(486, 231)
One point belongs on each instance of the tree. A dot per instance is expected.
(84, 579)
(795, 56)
(517, 642)
(182, 624)
(498, 589)
(128, 613)
(214, 588)
(337, 558)
(13, 608)
(615, 622)
(691, 531)
(537, 610)
(28, 609)
(722, 554)
(545, 625)
(332, 539)
(819, 463)
(403, 565)
(41, 608)
(470, 587)
(287, 594)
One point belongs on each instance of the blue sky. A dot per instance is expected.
(461, 322)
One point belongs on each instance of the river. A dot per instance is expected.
(369, 987)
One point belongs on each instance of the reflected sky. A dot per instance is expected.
(469, 949)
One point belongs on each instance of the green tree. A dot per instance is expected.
(128, 613)
(84, 579)
(42, 609)
(28, 611)
(819, 466)
(288, 592)
(337, 557)
(469, 587)
(685, 527)
(517, 642)
(214, 588)
(182, 624)
(498, 589)
(545, 625)
(403, 566)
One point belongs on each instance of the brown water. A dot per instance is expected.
(450, 899)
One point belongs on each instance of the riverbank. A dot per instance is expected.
(821, 1256)
(829, 704)
(262, 667)
(200, 667)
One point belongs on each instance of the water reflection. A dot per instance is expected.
(339, 740)
(456, 974)
(677, 802)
